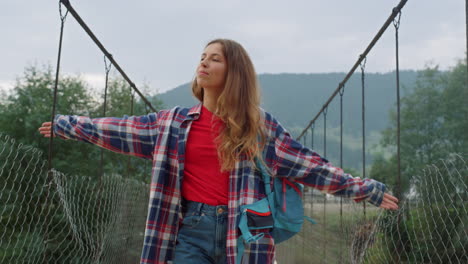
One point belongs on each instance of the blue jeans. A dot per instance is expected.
(202, 236)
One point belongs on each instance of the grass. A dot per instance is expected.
(331, 239)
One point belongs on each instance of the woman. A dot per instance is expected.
(203, 162)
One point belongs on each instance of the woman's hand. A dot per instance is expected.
(45, 129)
(389, 202)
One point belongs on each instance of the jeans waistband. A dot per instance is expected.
(196, 207)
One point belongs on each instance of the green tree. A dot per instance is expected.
(433, 122)
(23, 180)
(455, 108)
(30, 104)
(384, 170)
(433, 125)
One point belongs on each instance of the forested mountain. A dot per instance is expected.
(294, 99)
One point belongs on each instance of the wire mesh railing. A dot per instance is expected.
(431, 225)
(69, 228)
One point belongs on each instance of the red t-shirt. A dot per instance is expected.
(203, 180)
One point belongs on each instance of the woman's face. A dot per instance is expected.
(212, 70)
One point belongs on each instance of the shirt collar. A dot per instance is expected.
(195, 111)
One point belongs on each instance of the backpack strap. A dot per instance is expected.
(267, 181)
(312, 221)
(266, 176)
(246, 236)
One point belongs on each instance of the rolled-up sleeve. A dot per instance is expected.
(132, 135)
(291, 159)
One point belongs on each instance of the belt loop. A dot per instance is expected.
(199, 208)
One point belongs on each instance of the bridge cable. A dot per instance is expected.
(396, 24)
(107, 67)
(325, 195)
(466, 54)
(363, 111)
(63, 17)
(312, 135)
(104, 111)
(145, 169)
(80, 21)
(341, 166)
(366, 51)
(312, 127)
(54, 103)
(304, 143)
(129, 165)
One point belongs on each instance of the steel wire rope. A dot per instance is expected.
(396, 24)
(80, 21)
(304, 197)
(145, 169)
(129, 171)
(312, 128)
(325, 195)
(100, 237)
(363, 118)
(45, 256)
(341, 166)
(358, 62)
(132, 98)
(104, 111)
(312, 135)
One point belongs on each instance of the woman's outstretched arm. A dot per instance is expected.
(134, 135)
(289, 158)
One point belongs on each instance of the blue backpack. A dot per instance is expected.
(281, 210)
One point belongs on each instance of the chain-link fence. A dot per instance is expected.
(430, 227)
(57, 218)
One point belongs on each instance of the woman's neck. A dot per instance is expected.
(210, 99)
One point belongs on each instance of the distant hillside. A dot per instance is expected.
(294, 99)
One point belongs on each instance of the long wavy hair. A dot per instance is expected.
(238, 106)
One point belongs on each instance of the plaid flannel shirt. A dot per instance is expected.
(161, 137)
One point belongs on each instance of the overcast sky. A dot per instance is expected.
(159, 42)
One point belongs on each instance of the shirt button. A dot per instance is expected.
(220, 210)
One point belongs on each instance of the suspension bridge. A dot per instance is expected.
(47, 216)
